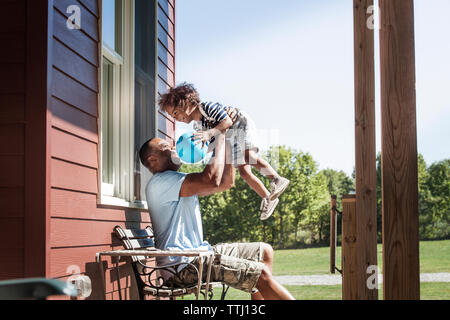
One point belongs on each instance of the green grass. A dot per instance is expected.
(434, 257)
(428, 291)
(304, 261)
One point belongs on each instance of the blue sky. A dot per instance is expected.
(289, 65)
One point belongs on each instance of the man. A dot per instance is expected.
(172, 199)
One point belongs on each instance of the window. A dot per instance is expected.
(107, 123)
(145, 98)
(131, 32)
(117, 111)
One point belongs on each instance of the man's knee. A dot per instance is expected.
(268, 253)
(265, 276)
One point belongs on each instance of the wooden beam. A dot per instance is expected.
(365, 148)
(333, 234)
(399, 151)
(349, 254)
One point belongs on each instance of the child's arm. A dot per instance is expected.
(222, 127)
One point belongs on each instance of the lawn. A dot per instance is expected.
(428, 291)
(434, 257)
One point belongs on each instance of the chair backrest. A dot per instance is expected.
(136, 239)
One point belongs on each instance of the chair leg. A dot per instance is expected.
(211, 294)
(224, 291)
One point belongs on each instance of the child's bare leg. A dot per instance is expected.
(253, 181)
(277, 184)
(260, 164)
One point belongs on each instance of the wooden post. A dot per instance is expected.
(399, 151)
(365, 148)
(349, 255)
(333, 233)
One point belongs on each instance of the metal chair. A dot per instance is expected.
(139, 246)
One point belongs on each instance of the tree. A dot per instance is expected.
(424, 197)
(318, 211)
(338, 183)
(301, 206)
(434, 201)
(233, 215)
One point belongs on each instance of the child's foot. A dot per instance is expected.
(277, 187)
(267, 208)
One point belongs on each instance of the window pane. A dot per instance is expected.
(107, 114)
(112, 24)
(145, 100)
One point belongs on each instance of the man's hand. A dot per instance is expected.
(203, 136)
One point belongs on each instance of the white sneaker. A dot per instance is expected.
(277, 187)
(267, 208)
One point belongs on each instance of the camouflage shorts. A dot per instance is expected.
(238, 265)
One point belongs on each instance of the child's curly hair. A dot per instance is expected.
(179, 97)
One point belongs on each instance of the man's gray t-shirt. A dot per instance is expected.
(176, 221)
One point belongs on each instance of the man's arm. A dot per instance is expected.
(210, 179)
(229, 175)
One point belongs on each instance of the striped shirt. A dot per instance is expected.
(213, 114)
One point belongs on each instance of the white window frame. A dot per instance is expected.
(121, 192)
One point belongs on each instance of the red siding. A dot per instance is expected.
(12, 263)
(79, 227)
(23, 125)
(12, 137)
(87, 47)
(111, 291)
(73, 120)
(166, 63)
(12, 202)
(49, 158)
(74, 93)
(89, 19)
(72, 176)
(74, 66)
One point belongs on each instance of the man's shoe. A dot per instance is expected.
(267, 208)
(277, 187)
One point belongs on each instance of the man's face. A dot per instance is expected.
(163, 157)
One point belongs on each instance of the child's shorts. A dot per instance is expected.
(242, 136)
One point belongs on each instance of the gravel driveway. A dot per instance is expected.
(331, 280)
